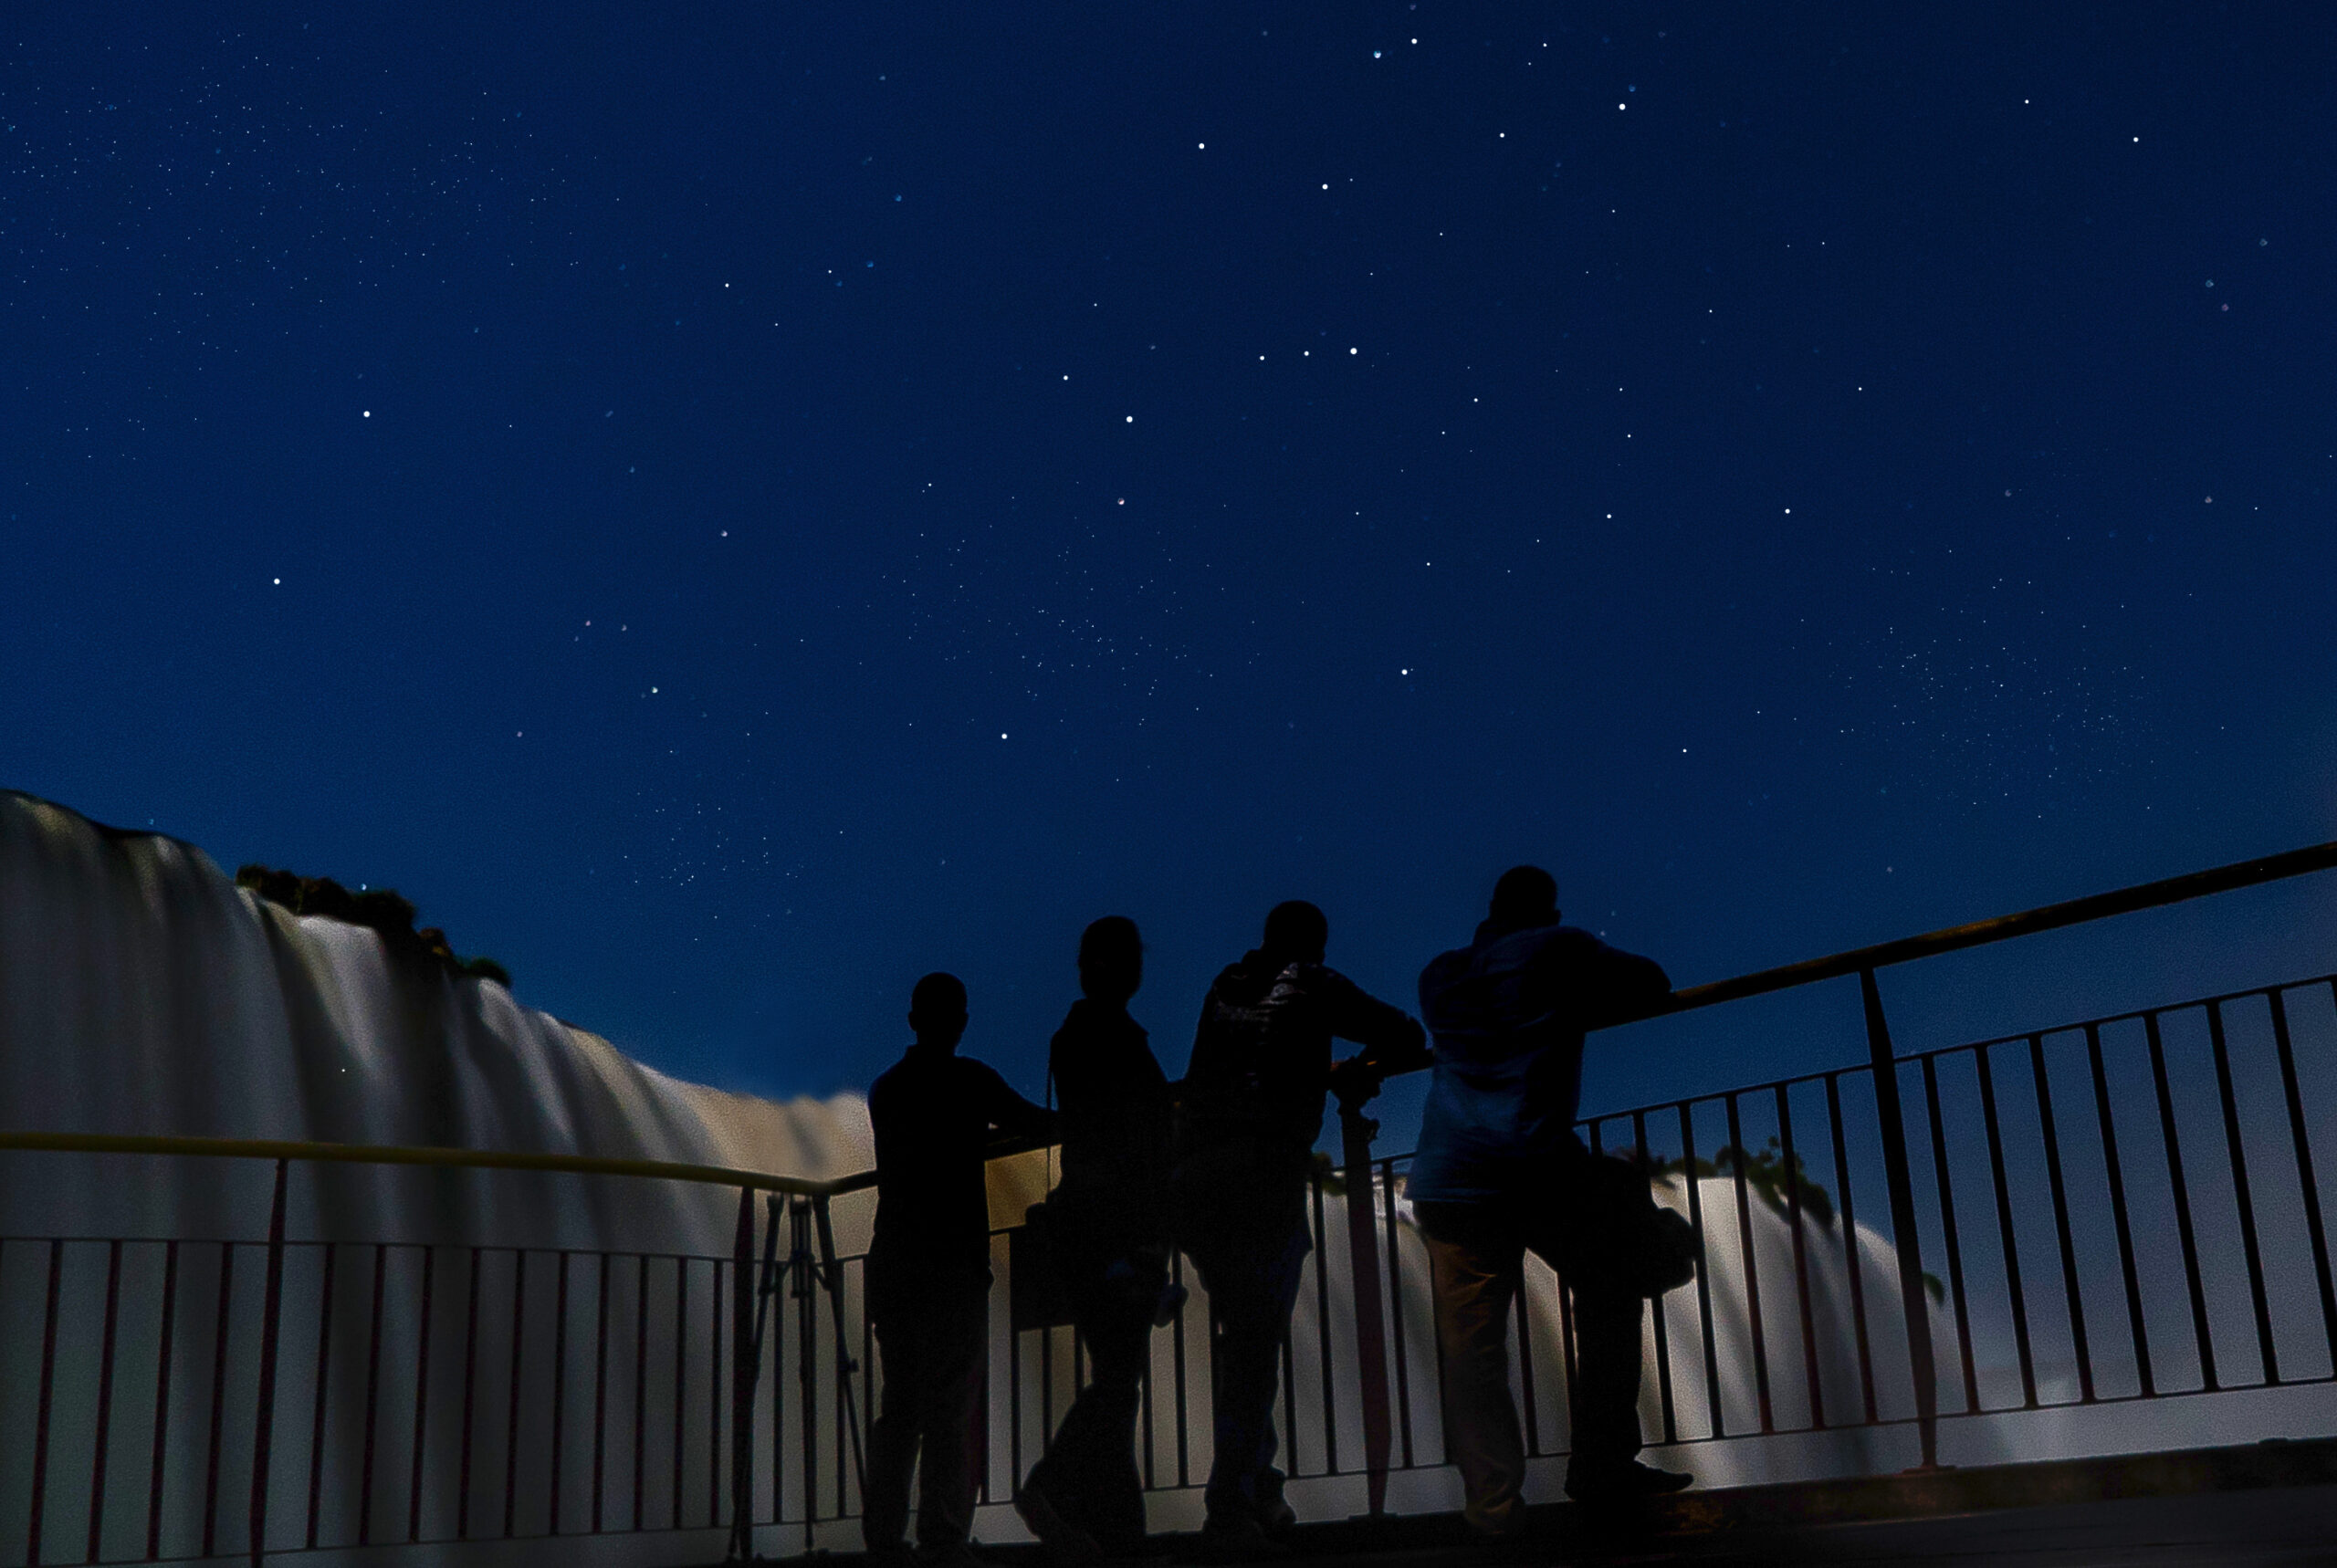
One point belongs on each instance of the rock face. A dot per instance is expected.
(466, 1358)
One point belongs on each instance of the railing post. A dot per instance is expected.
(745, 1359)
(1370, 1326)
(846, 1364)
(807, 1358)
(271, 1323)
(1899, 1175)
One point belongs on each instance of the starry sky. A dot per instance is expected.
(732, 507)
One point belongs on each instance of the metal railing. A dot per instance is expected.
(2126, 1208)
(400, 1292)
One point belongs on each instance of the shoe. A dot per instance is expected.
(1510, 1526)
(1275, 1515)
(894, 1555)
(1067, 1544)
(950, 1555)
(1239, 1540)
(1629, 1481)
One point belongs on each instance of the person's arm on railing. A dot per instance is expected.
(1619, 986)
(1393, 1041)
(1015, 1117)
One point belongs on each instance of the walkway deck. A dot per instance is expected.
(2257, 1529)
(2260, 1505)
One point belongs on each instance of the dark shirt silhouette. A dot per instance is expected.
(1508, 1013)
(1115, 1128)
(1253, 1107)
(1261, 1056)
(1109, 1222)
(933, 1112)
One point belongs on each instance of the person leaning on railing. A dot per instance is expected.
(1252, 1109)
(1500, 1172)
(928, 1275)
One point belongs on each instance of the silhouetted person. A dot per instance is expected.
(1253, 1107)
(928, 1273)
(1500, 1172)
(1108, 1224)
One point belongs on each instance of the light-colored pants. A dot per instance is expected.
(1477, 1252)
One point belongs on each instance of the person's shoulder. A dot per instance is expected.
(1090, 1027)
(1575, 939)
(1322, 980)
(1565, 949)
(1112, 1027)
(1446, 965)
(1583, 956)
(887, 1085)
(1238, 985)
(1312, 984)
(1532, 942)
(973, 1070)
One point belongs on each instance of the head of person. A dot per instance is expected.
(1111, 960)
(1526, 895)
(1296, 933)
(938, 1011)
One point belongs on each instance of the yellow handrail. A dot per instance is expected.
(386, 1154)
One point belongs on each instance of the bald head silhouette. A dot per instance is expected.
(1296, 933)
(1525, 895)
(938, 1011)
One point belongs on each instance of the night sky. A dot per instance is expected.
(732, 507)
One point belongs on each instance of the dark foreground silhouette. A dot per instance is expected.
(1500, 1172)
(1253, 1107)
(1107, 1226)
(933, 1115)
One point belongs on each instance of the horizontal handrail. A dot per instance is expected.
(392, 1154)
(2003, 927)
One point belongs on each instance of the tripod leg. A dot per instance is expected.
(772, 1272)
(845, 1365)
